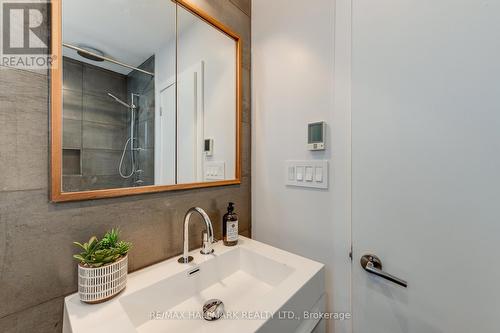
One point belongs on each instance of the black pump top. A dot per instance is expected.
(230, 208)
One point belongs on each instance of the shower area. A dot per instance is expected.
(108, 123)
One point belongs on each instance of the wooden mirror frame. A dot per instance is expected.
(56, 116)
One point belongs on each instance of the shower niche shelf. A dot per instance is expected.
(72, 162)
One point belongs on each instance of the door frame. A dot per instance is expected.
(159, 115)
(342, 300)
(198, 71)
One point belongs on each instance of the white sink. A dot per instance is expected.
(257, 283)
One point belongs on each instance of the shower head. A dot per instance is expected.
(120, 101)
(90, 53)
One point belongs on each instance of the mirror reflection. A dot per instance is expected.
(149, 96)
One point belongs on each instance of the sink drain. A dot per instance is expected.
(213, 310)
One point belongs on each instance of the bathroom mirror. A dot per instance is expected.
(145, 98)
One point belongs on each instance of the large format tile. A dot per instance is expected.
(8, 124)
(72, 133)
(32, 148)
(37, 244)
(103, 136)
(138, 82)
(100, 162)
(246, 153)
(104, 110)
(244, 5)
(72, 75)
(246, 96)
(72, 183)
(246, 54)
(89, 183)
(72, 104)
(43, 318)
(23, 86)
(100, 82)
(24, 123)
(3, 246)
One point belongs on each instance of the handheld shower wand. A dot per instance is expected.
(131, 139)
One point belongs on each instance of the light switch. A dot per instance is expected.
(318, 174)
(309, 174)
(291, 173)
(300, 173)
(215, 170)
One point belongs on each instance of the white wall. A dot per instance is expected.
(165, 149)
(200, 42)
(299, 77)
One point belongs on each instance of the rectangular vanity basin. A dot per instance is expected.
(254, 281)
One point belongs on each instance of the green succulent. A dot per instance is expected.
(110, 239)
(98, 253)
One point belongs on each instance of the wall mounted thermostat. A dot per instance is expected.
(208, 147)
(316, 136)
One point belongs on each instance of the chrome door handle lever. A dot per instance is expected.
(372, 264)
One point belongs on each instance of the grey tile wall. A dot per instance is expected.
(104, 136)
(93, 123)
(72, 75)
(36, 268)
(72, 133)
(100, 82)
(100, 162)
(72, 162)
(23, 109)
(244, 5)
(102, 109)
(72, 104)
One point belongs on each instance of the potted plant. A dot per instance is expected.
(102, 269)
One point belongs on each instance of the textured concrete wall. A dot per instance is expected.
(36, 268)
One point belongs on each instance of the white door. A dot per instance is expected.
(165, 166)
(426, 165)
(190, 125)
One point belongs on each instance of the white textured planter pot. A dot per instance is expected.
(96, 285)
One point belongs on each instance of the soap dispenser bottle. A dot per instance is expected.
(230, 226)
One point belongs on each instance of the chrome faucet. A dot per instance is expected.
(208, 235)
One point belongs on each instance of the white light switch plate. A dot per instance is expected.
(307, 174)
(215, 170)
